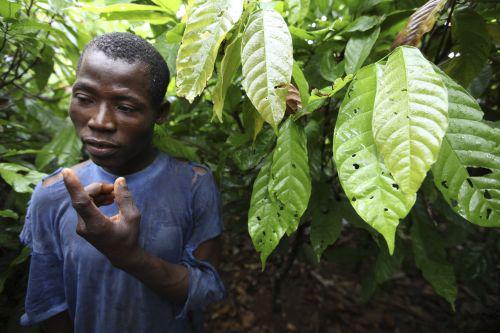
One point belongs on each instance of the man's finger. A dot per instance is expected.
(96, 189)
(80, 199)
(125, 201)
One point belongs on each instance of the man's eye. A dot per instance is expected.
(125, 108)
(83, 99)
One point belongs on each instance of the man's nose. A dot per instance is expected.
(103, 119)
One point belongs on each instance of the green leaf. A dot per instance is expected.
(207, 25)
(297, 10)
(327, 216)
(9, 214)
(43, 69)
(290, 180)
(229, 66)
(301, 83)
(267, 61)
(358, 48)
(410, 117)
(364, 177)
(467, 171)
(9, 9)
(19, 177)
(430, 256)
(472, 43)
(252, 121)
(133, 12)
(264, 225)
(175, 148)
(171, 5)
(65, 147)
(362, 23)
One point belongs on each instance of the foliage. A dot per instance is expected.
(372, 121)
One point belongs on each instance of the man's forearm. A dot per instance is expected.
(166, 279)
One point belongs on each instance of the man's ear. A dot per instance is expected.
(162, 113)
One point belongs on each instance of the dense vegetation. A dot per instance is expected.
(313, 115)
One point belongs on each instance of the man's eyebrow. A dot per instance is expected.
(82, 86)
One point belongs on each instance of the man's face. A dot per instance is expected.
(112, 111)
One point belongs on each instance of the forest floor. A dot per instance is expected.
(326, 298)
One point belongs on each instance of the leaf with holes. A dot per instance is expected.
(419, 23)
(290, 180)
(267, 61)
(207, 25)
(410, 117)
(264, 225)
(472, 46)
(467, 171)
(364, 177)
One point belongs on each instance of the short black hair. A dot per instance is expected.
(132, 48)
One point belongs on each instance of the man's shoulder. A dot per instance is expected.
(193, 169)
(56, 177)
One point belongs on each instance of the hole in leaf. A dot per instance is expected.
(295, 215)
(488, 213)
(294, 166)
(386, 209)
(487, 194)
(282, 207)
(470, 182)
(454, 203)
(279, 215)
(353, 155)
(396, 186)
(356, 166)
(356, 110)
(371, 197)
(478, 171)
(353, 199)
(444, 183)
(258, 218)
(264, 233)
(404, 89)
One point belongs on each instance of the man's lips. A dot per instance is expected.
(100, 148)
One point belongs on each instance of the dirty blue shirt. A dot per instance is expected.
(180, 209)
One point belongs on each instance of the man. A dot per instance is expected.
(124, 242)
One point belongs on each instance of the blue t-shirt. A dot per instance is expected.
(180, 209)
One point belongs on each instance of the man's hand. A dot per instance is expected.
(115, 236)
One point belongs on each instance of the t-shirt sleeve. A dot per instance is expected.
(205, 285)
(45, 295)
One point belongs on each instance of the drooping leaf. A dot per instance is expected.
(264, 225)
(301, 83)
(9, 214)
(358, 48)
(290, 179)
(419, 24)
(175, 148)
(327, 216)
(467, 171)
(430, 255)
(207, 25)
(410, 117)
(297, 10)
(267, 62)
(252, 120)
(472, 46)
(20, 177)
(44, 68)
(229, 66)
(364, 177)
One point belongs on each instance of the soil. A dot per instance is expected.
(326, 298)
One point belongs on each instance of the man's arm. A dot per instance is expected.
(116, 237)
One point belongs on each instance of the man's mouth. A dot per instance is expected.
(100, 148)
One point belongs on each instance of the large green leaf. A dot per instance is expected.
(365, 179)
(133, 12)
(358, 48)
(410, 117)
(297, 10)
(472, 46)
(265, 225)
(19, 177)
(65, 146)
(467, 171)
(207, 25)
(430, 255)
(267, 61)
(229, 65)
(290, 180)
